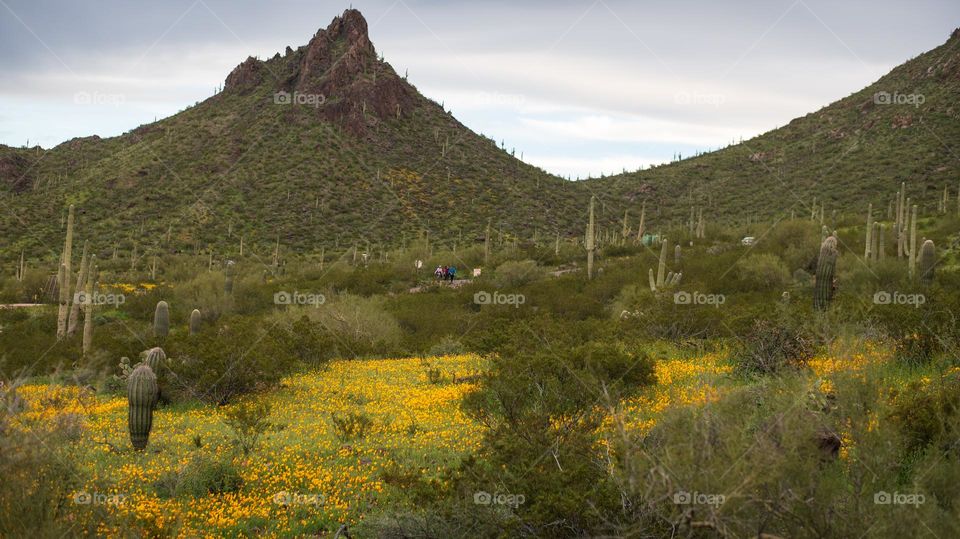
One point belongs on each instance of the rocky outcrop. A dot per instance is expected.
(338, 73)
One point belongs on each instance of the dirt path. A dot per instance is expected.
(456, 283)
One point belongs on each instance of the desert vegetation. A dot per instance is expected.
(677, 380)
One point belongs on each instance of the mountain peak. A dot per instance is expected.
(341, 64)
(351, 25)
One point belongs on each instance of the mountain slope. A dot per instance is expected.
(359, 155)
(323, 146)
(852, 152)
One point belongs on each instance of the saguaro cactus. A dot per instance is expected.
(676, 254)
(75, 306)
(826, 267)
(643, 214)
(63, 301)
(155, 358)
(141, 400)
(228, 280)
(912, 255)
(662, 266)
(64, 281)
(195, 322)
(591, 239)
(161, 320)
(88, 305)
(928, 261)
(486, 244)
(868, 244)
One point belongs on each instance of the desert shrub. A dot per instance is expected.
(248, 422)
(762, 271)
(373, 279)
(774, 345)
(239, 357)
(32, 289)
(205, 292)
(428, 318)
(925, 413)
(513, 274)
(541, 398)
(448, 346)
(200, 476)
(360, 326)
(37, 473)
(351, 425)
(916, 348)
(304, 339)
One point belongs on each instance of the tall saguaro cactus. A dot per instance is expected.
(486, 245)
(928, 261)
(869, 240)
(826, 268)
(88, 304)
(643, 214)
(591, 239)
(912, 255)
(64, 282)
(141, 400)
(63, 301)
(75, 306)
(662, 266)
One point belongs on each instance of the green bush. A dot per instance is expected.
(349, 426)
(513, 274)
(772, 346)
(248, 422)
(38, 476)
(762, 272)
(199, 477)
(239, 357)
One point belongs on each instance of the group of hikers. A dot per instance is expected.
(445, 273)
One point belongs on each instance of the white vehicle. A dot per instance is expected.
(747, 240)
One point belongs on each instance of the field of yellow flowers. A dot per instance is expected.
(302, 479)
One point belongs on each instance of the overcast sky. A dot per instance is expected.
(580, 87)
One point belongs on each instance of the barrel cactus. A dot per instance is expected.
(161, 320)
(928, 261)
(141, 399)
(195, 322)
(826, 267)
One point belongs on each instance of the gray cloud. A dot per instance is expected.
(646, 79)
